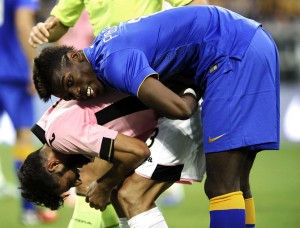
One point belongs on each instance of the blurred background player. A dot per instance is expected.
(16, 87)
(7, 189)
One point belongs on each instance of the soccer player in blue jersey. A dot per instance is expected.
(16, 86)
(103, 14)
(233, 64)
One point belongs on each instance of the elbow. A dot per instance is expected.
(145, 152)
(181, 114)
(184, 109)
(140, 155)
(185, 114)
(188, 108)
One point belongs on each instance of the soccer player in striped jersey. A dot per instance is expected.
(102, 14)
(95, 128)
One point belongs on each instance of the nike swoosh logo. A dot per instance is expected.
(216, 138)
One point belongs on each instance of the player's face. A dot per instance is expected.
(69, 172)
(64, 168)
(69, 178)
(76, 80)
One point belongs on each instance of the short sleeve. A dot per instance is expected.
(39, 128)
(78, 132)
(130, 69)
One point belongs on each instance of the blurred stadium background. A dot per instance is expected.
(276, 175)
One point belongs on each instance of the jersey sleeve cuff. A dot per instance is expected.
(145, 73)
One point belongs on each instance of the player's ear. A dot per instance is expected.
(53, 166)
(76, 56)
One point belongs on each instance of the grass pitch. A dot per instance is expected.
(275, 183)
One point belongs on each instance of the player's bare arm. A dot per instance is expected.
(90, 172)
(23, 30)
(157, 96)
(129, 153)
(49, 31)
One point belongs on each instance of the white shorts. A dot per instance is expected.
(176, 151)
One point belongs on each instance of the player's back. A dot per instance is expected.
(69, 124)
(180, 40)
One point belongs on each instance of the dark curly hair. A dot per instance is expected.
(37, 184)
(45, 66)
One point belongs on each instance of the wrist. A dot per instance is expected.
(190, 91)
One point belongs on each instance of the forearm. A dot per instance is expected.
(129, 153)
(23, 30)
(49, 31)
(166, 102)
(116, 175)
(57, 30)
(91, 172)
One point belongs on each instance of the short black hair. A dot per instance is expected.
(37, 184)
(45, 66)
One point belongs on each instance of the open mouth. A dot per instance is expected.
(89, 91)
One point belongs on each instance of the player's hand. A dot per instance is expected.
(40, 32)
(98, 195)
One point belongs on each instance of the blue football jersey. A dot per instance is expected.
(186, 40)
(13, 62)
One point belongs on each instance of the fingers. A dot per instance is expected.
(97, 206)
(39, 34)
(97, 198)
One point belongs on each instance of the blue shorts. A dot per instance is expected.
(241, 101)
(15, 100)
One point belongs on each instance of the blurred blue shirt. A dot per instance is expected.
(14, 65)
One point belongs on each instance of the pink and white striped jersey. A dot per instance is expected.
(82, 126)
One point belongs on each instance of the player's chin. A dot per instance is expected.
(77, 182)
